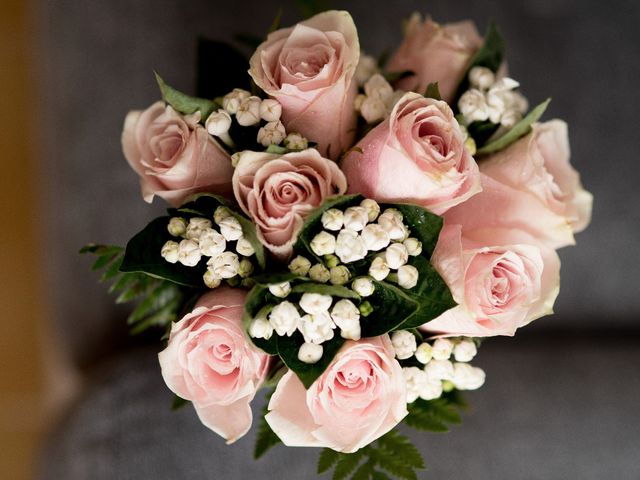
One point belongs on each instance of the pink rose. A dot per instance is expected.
(278, 192)
(436, 54)
(417, 155)
(538, 164)
(500, 278)
(309, 69)
(174, 155)
(359, 398)
(210, 362)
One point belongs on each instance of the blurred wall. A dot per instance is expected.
(97, 60)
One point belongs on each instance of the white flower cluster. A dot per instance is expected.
(201, 239)
(250, 110)
(445, 365)
(378, 99)
(491, 99)
(367, 67)
(315, 316)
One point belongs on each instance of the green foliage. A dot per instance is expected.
(433, 91)
(520, 129)
(309, 8)
(435, 415)
(184, 103)
(266, 438)
(425, 226)
(178, 403)
(161, 300)
(392, 452)
(393, 77)
(211, 57)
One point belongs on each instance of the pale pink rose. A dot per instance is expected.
(500, 277)
(539, 165)
(417, 155)
(278, 192)
(436, 53)
(359, 398)
(309, 69)
(174, 155)
(210, 361)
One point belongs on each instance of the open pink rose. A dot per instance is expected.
(309, 69)
(417, 155)
(210, 362)
(174, 155)
(278, 192)
(359, 398)
(436, 53)
(538, 164)
(500, 278)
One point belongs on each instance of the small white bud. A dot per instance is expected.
(391, 221)
(377, 87)
(396, 255)
(221, 213)
(244, 247)
(319, 273)
(481, 77)
(189, 253)
(225, 265)
(245, 268)
(260, 328)
(442, 349)
(323, 244)
(249, 111)
(270, 110)
(177, 226)
(196, 227)
(363, 286)
(367, 66)
(357, 103)
(416, 380)
(211, 243)
(235, 158)
(273, 133)
(424, 353)
(350, 247)
(504, 84)
(413, 246)
(379, 269)
(439, 370)
(315, 303)
(295, 141)
(347, 318)
(431, 390)
(280, 290)
(284, 318)
(375, 237)
(218, 125)
(465, 350)
(373, 110)
(404, 343)
(372, 208)
(231, 101)
(210, 279)
(355, 218)
(230, 228)
(317, 328)
(333, 219)
(473, 106)
(407, 276)
(497, 104)
(170, 251)
(300, 266)
(510, 118)
(310, 353)
(339, 275)
(467, 377)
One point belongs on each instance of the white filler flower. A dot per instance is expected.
(315, 303)
(310, 352)
(177, 226)
(317, 328)
(170, 251)
(284, 318)
(280, 290)
(404, 343)
(363, 286)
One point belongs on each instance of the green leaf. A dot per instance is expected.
(377, 475)
(432, 415)
(393, 77)
(113, 270)
(309, 8)
(324, 289)
(275, 25)
(402, 448)
(346, 464)
(143, 255)
(178, 403)
(433, 91)
(249, 40)
(220, 68)
(249, 232)
(391, 306)
(363, 472)
(425, 226)
(276, 149)
(266, 438)
(490, 55)
(184, 103)
(159, 308)
(520, 129)
(328, 459)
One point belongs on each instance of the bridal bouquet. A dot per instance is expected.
(342, 232)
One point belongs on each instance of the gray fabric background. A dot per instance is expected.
(553, 407)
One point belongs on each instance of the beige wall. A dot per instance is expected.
(21, 308)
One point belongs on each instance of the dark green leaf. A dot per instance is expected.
(249, 40)
(179, 402)
(328, 459)
(133, 291)
(377, 475)
(393, 77)
(221, 68)
(363, 472)
(519, 130)
(113, 270)
(164, 294)
(324, 289)
(276, 149)
(402, 448)
(432, 415)
(124, 281)
(391, 306)
(309, 8)
(100, 249)
(266, 438)
(482, 131)
(347, 463)
(184, 103)
(433, 91)
(424, 225)
(257, 299)
(103, 261)
(275, 25)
